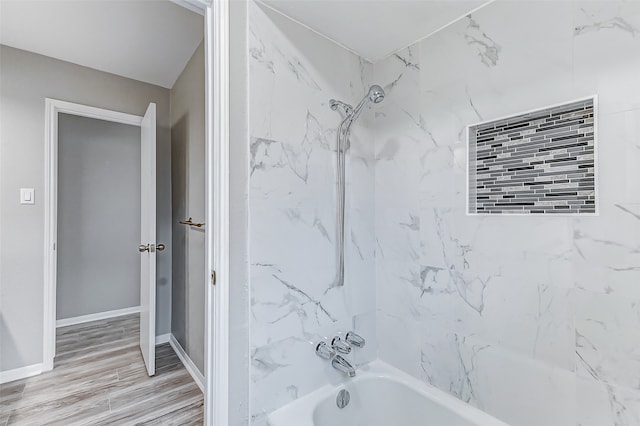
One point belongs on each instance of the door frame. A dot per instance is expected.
(216, 347)
(216, 352)
(54, 107)
(216, 374)
(216, 327)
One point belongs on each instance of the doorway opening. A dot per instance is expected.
(91, 239)
(216, 44)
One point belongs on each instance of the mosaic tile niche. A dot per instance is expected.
(541, 162)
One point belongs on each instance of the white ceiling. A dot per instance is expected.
(374, 29)
(149, 41)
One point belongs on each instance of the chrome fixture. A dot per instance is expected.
(190, 222)
(330, 352)
(151, 248)
(340, 345)
(346, 108)
(343, 398)
(325, 351)
(343, 365)
(374, 95)
(354, 339)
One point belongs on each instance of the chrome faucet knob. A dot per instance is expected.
(340, 345)
(325, 351)
(354, 339)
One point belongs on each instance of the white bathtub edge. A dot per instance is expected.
(302, 408)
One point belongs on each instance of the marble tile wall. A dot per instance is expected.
(292, 221)
(534, 320)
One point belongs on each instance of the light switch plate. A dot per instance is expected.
(27, 196)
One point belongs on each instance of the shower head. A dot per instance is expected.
(376, 94)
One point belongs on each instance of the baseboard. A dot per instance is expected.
(20, 373)
(188, 364)
(163, 338)
(98, 316)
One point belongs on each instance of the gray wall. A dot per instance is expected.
(98, 216)
(188, 200)
(26, 79)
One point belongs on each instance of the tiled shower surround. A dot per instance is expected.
(295, 302)
(534, 319)
(541, 162)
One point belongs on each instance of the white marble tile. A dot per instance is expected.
(600, 404)
(502, 383)
(474, 70)
(508, 281)
(618, 142)
(287, 369)
(283, 371)
(501, 281)
(288, 81)
(416, 294)
(443, 177)
(482, 307)
(605, 34)
(293, 200)
(523, 392)
(400, 134)
(398, 342)
(606, 255)
(607, 332)
(364, 325)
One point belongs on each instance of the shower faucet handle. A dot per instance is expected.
(354, 339)
(325, 351)
(340, 345)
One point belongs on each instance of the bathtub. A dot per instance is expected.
(381, 395)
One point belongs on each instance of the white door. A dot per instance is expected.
(148, 241)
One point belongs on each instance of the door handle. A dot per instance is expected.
(150, 247)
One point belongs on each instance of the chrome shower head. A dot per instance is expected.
(376, 94)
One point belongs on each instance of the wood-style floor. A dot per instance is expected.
(99, 378)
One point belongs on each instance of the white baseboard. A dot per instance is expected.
(188, 364)
(20, 373)
(95, 317)
(163, 338)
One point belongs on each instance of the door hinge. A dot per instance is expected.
(213, 277)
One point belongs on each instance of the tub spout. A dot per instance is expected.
(341, 364)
